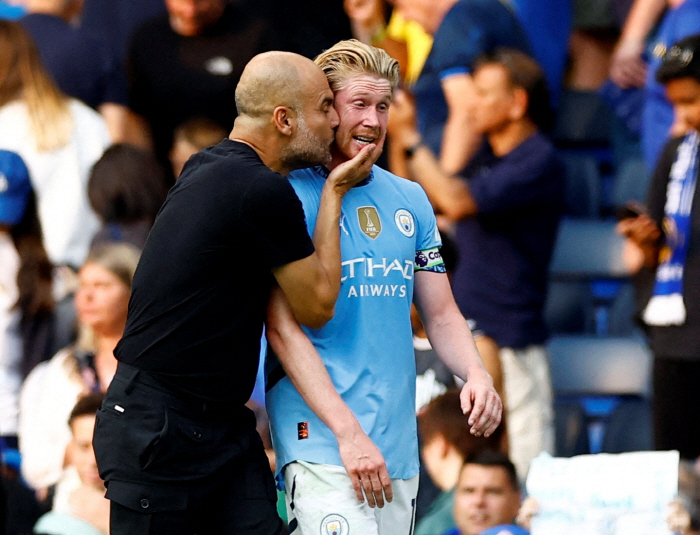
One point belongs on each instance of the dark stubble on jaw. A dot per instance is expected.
(306, 149)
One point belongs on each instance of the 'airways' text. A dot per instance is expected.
(377, 290)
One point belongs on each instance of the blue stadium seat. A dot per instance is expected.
(610, 379)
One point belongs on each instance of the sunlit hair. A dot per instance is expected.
(351, 58)
(23, 77)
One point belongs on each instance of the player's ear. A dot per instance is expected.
(285, 119)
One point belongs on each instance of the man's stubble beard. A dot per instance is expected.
(306, 149)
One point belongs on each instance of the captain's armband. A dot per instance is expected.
(430, 260)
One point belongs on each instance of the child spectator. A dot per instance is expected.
(89, 513)
(446, 444)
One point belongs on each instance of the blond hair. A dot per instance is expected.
(351, 58)
(23, 77)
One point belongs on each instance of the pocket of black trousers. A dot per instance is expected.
(189, 449)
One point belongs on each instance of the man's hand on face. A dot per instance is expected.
(366, 467)
(348, 174)
(482, 403)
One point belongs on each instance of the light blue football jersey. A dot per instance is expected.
(387, 225)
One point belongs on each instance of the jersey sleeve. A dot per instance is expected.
(457, 44)
(275, 218)
(428, 242)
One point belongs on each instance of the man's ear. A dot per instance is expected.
(284, 119)
(520, 103)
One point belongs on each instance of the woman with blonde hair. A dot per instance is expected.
(53, 387)
(58, 138)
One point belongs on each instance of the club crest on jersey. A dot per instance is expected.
(368, 217)
(404, 221)
(334, 525)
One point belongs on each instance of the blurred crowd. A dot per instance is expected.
(503, 103)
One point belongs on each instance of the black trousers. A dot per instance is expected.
(177, 466)
(676, 406)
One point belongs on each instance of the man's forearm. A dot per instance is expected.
(447, 193)
(453, 342)
(361, 458)
(305, 368)
(327, 232)
(459, 144)
(327, 237)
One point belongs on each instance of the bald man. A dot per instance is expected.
(174, 443)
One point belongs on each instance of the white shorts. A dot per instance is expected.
(529, 405)
(321, 501)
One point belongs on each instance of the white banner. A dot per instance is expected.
(603, 494)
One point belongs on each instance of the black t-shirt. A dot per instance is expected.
(203, 282)
(173, 78)
(677, 341)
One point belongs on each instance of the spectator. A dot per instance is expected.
(58, 138)
(507, 207)
(683, 516)
(126, 189)
(681, 19)
(307, 27)
(89, 513)
(446, 444)
(547, 24)
(191, 137)
(462, 30)
(26, 302)
(668, 261)
(487, 496)
(115, 20)
(53, 387)
(186, 63)
(82, 63)
(19, 508)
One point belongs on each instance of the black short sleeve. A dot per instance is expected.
(274, 214)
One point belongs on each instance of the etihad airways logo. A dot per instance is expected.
(375, 268)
